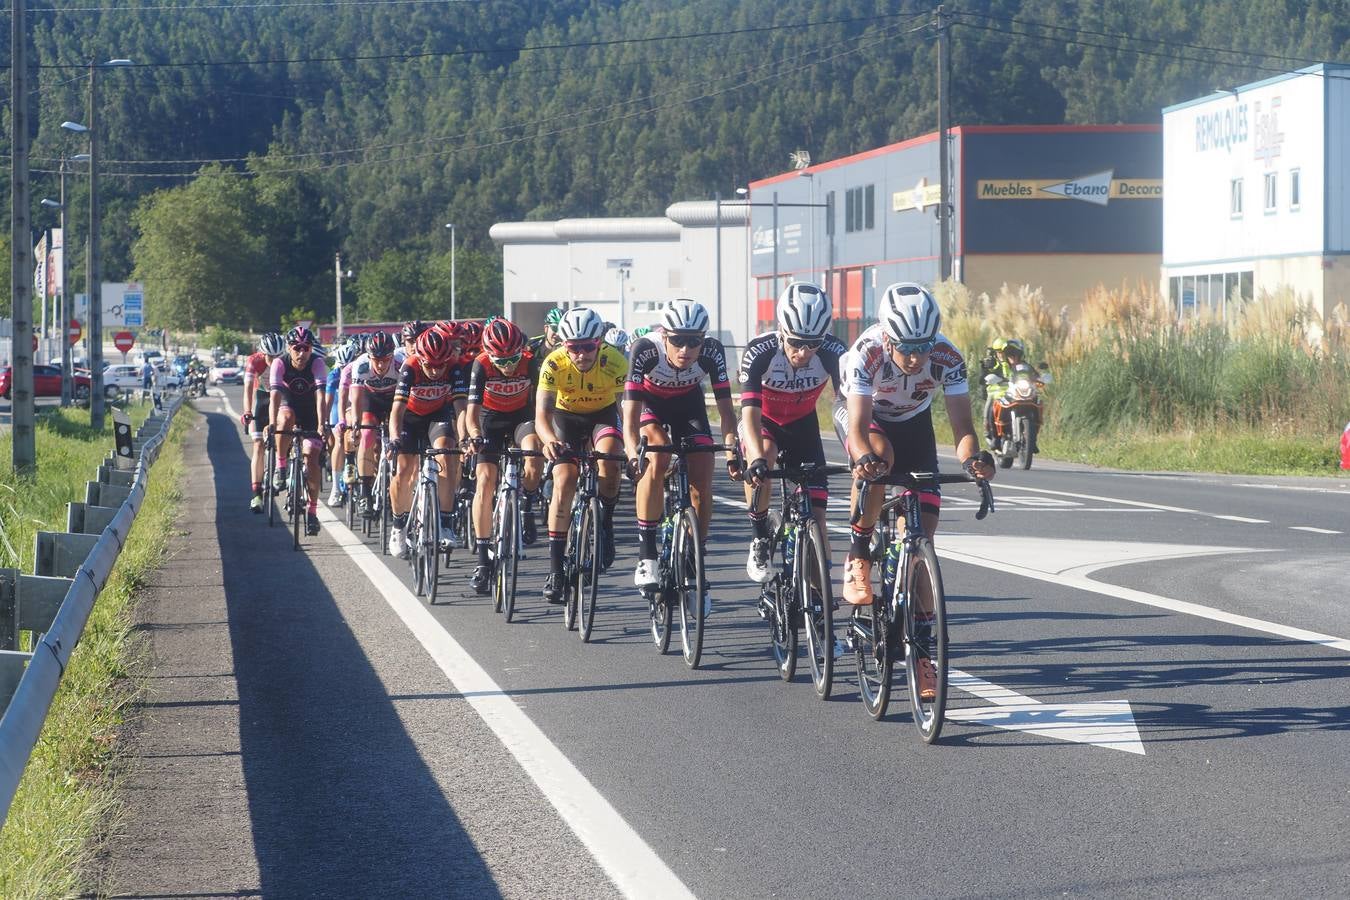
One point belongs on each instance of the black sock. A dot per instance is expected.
(557, 547)
(861, 544)
(401, 521)
(607, 505)
(647, 535)
(367, 483)
(482, 547)
(760, 522)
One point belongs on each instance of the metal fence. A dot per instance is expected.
(55, 602)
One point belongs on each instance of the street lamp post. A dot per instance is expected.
(337, 281)
(64, 315)
(451, 226)
(93, 265)
(717, 236)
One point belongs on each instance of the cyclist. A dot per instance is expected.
(543, 344)
(423, 412)
(408, 335)
(335, 396)
(297, 402)
(374, 378)
(782, 374)
(579, 388)
(617, 338)
(665, 388)
(891, 374)
(257, 387)
(500, 414)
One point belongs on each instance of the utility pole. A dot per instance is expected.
(944, 125)
(64, 315)
(24, 453)
(337, 280)
(93, 267)
(717, 236)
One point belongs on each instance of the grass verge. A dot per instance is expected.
(66, 798)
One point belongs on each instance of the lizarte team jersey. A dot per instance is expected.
(782, 393)
(870, 372)
(651, 377)
(584, 392)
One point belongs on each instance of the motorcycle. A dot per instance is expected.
(1017, 414)
(196, 385)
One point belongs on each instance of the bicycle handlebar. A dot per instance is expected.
(915, 481)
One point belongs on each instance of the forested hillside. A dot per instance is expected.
(379, 122)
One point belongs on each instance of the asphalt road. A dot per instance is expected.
(1205, 613)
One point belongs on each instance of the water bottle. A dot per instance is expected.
(892, 560)
(789, 544)
(667, 537)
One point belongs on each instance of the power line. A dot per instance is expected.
(886, 36)
(488, 51)
(242, 6)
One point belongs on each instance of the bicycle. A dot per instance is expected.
(461, 511)
(582, 562)
(296, 489)
(424, 525)
(506, 544)
(895, 623)
(352, 485)
(681, 578)
(798, 594)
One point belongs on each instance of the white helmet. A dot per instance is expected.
(617, 337)
(685, 316)
(909, 313)
(804, 311)
(581, 324)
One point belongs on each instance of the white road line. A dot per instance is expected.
(1245, 519)
(626, 858)
(1141, 504)
(1314, 529)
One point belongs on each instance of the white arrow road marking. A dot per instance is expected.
(1063, 556)
(1104, 723)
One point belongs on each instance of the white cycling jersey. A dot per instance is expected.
(869, 371)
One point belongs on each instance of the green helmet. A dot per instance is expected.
(1014, 346)
(554, 316)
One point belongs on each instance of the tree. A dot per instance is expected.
(478, 285)
(201, 256)
(391, 288)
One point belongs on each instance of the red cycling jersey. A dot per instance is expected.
(498, 391)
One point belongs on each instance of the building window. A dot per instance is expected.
(860, 208)
(829, 214)
(1235, 198)
(1294, 194)
(849, 205)
(869, 204)
(1272, 192)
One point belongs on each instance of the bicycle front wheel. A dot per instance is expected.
(414, 537)
(572, 569)
(587, 584)
(691, 584)
(926, 641)
(298, 498)
(269, 492)
(507, 558)
(813, 593)
(431, 547)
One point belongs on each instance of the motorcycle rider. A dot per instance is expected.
(1006, 354)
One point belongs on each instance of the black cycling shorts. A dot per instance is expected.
(914, 445)
(799, 443)
(262, 412)
(501, 430)
(420, 432)
(576, 430)
(684, 416)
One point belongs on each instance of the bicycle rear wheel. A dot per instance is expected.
(873, 653)
(691, 583)
(782, 630)
(926, 639)
(813, 593)
(507, 558)
(588, 568)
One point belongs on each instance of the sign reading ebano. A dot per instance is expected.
(1221, 129)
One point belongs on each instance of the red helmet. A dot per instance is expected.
(502, 339)
(471, 333)
(434, 348)
(449, 328)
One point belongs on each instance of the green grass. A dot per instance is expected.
(66, 799)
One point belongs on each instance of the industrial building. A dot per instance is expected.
(1257, 180)
(1063, 208)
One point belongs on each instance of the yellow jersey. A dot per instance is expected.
(584, 392)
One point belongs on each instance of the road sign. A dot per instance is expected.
(124, 340)
(74, 330)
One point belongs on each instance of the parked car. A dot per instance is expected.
(121, 377)
(226, 371)
(47, 382)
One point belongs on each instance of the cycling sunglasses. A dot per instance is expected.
(686, 341)
(506, 361)
(801, 344)
(581, 346)
(914, 348)
(302, 346)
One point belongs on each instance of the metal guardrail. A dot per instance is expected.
(55, 602)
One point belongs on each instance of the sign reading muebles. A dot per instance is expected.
(1098, 188)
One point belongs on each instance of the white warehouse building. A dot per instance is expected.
(1258, 193)
(628, 269)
